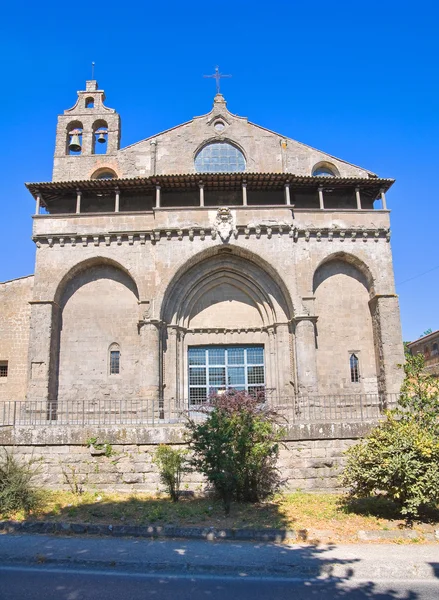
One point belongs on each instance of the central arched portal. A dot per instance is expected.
(226, 324)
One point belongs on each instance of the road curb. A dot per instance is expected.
(205, 533)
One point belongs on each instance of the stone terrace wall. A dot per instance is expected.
(310, 460)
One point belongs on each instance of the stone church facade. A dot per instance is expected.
(214, 255)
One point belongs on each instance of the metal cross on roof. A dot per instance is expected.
(217, 76)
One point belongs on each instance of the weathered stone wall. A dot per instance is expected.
(311, 458)
(344, 328)
(188, 281)
(14, 336)
(99, 313)
(173, 151)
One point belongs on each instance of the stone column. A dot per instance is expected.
(306, 355)
(389, 349)
(116, 200)
(321, 199)
(151, 359)
(244, 194)
(157, 196)
(287, 194)
(383, 199)
(358, 198)
(43, 355)
(170, 378)
(201, 194)
(78, 201)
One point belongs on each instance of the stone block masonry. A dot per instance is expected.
(310, 459)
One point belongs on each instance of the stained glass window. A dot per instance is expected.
(219, 157)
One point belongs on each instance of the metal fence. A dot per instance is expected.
(295, 409)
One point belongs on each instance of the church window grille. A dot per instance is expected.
(3, 368)
(219, 157)
(213, 369)
(114, 359)
(354, 364)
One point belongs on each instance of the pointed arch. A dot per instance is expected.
(84, 265)
(230, 266)
(366, 277)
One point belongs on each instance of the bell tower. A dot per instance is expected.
(87, 137)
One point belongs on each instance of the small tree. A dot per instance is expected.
(172, 464)
(236, 447)
(400, 456)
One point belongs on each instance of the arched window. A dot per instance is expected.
(219, 157)
(74, 138)
(104, 173)
(435, 350)
(114, 359)
(89, 103)
(354, 364)
(324, 169)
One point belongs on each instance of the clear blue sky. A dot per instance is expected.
(358, 80)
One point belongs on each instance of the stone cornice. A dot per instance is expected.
(254, 231)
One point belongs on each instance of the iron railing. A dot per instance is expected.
(295, 409)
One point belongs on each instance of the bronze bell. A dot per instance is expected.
(75, 145)
(102, 139)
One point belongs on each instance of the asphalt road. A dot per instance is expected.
(21, 582)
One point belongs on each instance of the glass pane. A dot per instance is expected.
(255, 375)
(197, 395)
(197, 376)
(236, 376)
(255, 356)
(114, 362)
(197, 356)
(217, 376)
(217, 356)
(219, 157)
(235, 356)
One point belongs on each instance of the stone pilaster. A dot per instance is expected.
(389, 349)
(306, 356)
(43, 352)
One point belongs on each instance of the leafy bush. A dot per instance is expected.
(172, 464)
(400, 456)
(236, 447)
(17, 489)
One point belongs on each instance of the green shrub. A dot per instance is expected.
(172, 464)
(400, 456)
(236, 447)
(17, 488)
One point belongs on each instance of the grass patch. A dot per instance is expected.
(312, 513)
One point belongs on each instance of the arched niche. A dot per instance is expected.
(98, 307)
(342, 291)
(226, 300)
(251, 283)
(359, 270)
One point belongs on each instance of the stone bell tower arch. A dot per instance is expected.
(87, 137)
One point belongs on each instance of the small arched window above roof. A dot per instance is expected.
(325, 169)
(219, 157)
(104, 173)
